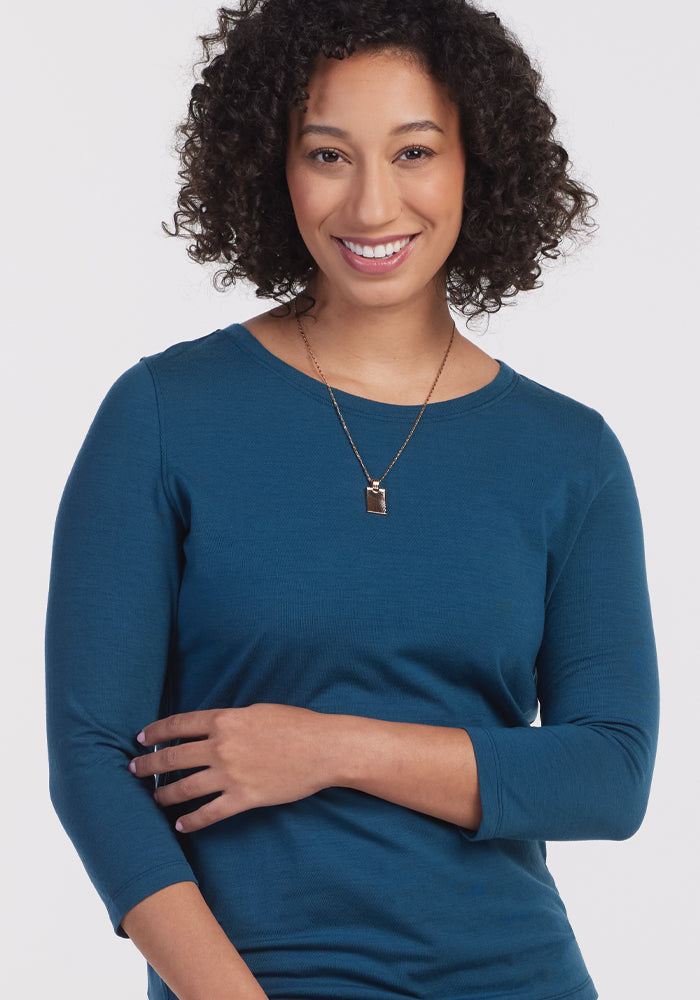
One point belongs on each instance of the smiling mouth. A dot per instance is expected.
(380, 250)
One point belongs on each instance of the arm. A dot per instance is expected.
(112, 598)
(585, 773)
(431, 769)
(269, 754)
(179, 936)
(114, 582)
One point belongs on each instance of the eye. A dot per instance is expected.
(417, 153)
(325, 154)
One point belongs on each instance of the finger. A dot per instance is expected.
(193, 786)
(179, 758)
(186, 725)
(212, 812)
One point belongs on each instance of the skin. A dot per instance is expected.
(378, 336)
(267, 754)
(372, 183)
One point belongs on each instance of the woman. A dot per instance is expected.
(332, 560)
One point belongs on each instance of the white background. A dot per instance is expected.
(92, 93)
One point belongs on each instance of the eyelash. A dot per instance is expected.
(409, 149)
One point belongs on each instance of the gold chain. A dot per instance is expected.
(374, 482)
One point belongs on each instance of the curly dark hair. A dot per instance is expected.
(520, 201)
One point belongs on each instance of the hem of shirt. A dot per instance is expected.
(583, 991)
(158, 989)
(139, 888)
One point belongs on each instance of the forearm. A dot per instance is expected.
(181, 939)
(431, 769)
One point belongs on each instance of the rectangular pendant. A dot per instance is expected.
(376, 500)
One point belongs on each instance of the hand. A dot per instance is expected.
(260, 755)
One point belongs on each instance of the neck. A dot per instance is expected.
(373, 342)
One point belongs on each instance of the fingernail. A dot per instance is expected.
(132, 767)
(179, 827)
(155, 795)
(141, 738)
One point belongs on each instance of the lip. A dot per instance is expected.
(364, 242)
(375, 265)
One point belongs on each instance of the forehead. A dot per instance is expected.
(374, 89)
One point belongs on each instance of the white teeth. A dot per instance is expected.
(383, 250)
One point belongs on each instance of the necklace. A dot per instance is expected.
(375, 497)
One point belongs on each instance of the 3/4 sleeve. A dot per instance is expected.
(112, 602)
(585, 773)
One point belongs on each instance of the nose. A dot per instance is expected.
(375, 197)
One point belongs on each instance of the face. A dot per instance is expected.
(376, 170)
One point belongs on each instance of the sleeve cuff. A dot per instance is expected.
(489, 785)
(145, 885)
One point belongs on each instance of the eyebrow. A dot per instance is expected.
(424, 125)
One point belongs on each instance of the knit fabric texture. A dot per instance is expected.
(212, 549)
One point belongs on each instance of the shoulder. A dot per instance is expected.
(190, 370)
(550, 407)
(180, 378)
(564, 432)
(192, 360)
(186, 360)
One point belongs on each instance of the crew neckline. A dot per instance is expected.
(498, 386)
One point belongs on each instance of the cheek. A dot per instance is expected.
(455, 171)
(442, 198)
(452, 193)
(309, 198)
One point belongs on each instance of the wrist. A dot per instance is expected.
(339, 749)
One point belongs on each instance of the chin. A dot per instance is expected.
(369, 290)
(378, 298)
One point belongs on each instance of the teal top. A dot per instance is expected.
(212, 549)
